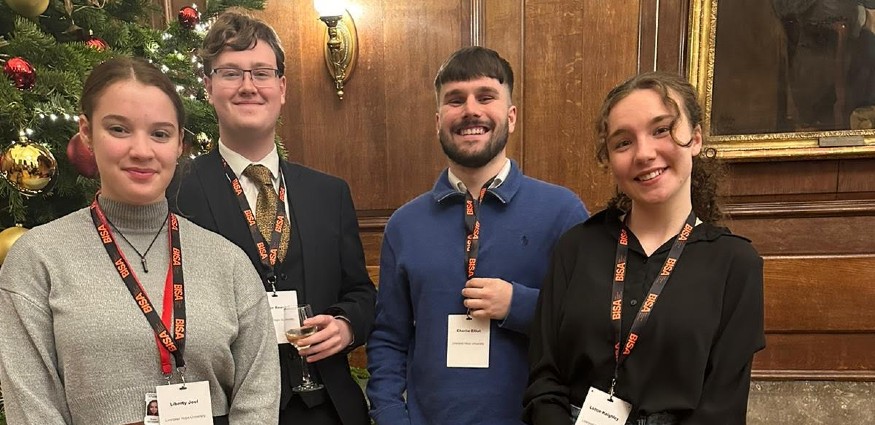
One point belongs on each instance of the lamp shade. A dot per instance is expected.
(329, 7)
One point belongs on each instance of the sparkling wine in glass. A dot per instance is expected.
(294, 318)
(296, 334)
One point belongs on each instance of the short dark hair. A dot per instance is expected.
(707, 170)
(473, 62)
(124, 68)
(238, 31)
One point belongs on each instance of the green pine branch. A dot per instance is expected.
(55, 46)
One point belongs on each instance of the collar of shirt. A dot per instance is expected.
(499, 178)
(238, 163)
(622, 217)
(612, 220)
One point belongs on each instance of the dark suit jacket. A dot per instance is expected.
(336, 281)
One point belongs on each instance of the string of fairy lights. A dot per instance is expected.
(30, 167)
(200, 28)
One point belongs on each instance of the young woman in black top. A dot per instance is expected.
(651, 314)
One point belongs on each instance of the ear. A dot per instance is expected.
(437, 122)
(696, 145)
(85, 131)
(208, 85)
(179, 146)
(283, 90)
(511, 118)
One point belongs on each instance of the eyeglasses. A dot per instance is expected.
(261, 77)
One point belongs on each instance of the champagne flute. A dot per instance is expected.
(294, 318)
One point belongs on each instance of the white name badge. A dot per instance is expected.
(277, 303)
(185, 406)
(467, 341)
(600, 409)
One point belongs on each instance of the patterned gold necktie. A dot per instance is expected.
(266, 207)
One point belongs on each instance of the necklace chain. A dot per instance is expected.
(144, 254)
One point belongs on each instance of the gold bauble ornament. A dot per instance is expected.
(28, 166)
(28, 8)
(7, 238)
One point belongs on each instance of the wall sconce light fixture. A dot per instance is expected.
(341, 47)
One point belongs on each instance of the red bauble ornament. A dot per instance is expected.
(96, 43)
(21, 72)
(189, 17)
(81, 157)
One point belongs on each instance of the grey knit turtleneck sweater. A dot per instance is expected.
(75, 348)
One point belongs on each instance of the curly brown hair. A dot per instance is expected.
(707, 170)
(237, 30)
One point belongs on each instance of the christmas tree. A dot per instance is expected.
(47, 48)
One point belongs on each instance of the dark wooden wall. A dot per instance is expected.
(811, 220)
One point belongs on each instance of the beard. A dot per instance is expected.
(494, 145)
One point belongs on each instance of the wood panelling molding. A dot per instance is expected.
(801, 209)
(477, 23)
(374, 224)
(813, 375)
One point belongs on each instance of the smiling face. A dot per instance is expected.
(648, 151)
(135, 134)
(474, 119)
(247, 112)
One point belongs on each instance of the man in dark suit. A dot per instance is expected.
(305, 245)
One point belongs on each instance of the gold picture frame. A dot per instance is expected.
(757, 145)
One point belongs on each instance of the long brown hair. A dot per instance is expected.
(707, 170)
(124, 68)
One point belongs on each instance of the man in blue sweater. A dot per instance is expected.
(461, 265)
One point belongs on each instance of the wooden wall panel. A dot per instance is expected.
(573, 58)
(381, 137)
(781, 178)
(415, 158)
(806, 235)
(817, 356)
(818, 274)
(503, 31)
(662, 35)
(819, 294)
(857, 175)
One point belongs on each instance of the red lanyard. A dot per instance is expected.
(267, 253)
(655, 289)
(472, 225)
(174, 291)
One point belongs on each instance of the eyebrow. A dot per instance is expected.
(477, 90)
(655, 120)
(126, 120)
(256, 65)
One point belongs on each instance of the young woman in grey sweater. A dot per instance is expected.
(84, 299)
